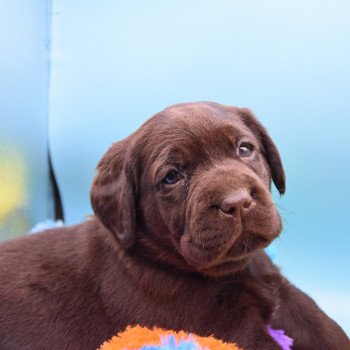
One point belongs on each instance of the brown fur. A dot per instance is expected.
(185, 255)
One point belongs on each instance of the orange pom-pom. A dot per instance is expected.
(134, 338)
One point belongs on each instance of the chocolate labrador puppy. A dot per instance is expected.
(183, 211)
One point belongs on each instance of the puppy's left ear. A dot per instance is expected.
(269, 149)
(113, 192)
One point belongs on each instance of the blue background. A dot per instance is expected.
(115, 63)
(24, 92)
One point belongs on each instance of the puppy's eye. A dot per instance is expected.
(172, 177)
(245, 150)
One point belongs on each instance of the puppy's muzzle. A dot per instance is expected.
(230, 214)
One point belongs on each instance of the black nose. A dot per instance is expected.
(237, 203)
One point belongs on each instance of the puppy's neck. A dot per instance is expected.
(163, 273)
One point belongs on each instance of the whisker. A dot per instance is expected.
(247, 248)
(279, 206)
(284, 220)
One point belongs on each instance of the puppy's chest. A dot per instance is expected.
(233, 302)
(253, 300)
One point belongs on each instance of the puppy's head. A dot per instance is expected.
(191, 188)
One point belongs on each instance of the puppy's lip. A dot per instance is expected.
(234, 258)
(223, 259)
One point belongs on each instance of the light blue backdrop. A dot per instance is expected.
(115, 63)
(25, 196)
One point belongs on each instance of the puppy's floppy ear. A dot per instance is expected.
(269, 148)
(113, 193)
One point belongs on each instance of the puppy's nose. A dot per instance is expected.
(236, 203)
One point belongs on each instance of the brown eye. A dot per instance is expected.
(245, 150)
(172, 177)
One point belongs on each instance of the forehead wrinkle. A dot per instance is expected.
(214, 138)
(243, 131)
(174, 154)
(164, 155)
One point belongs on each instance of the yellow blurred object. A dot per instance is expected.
(12, 181)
